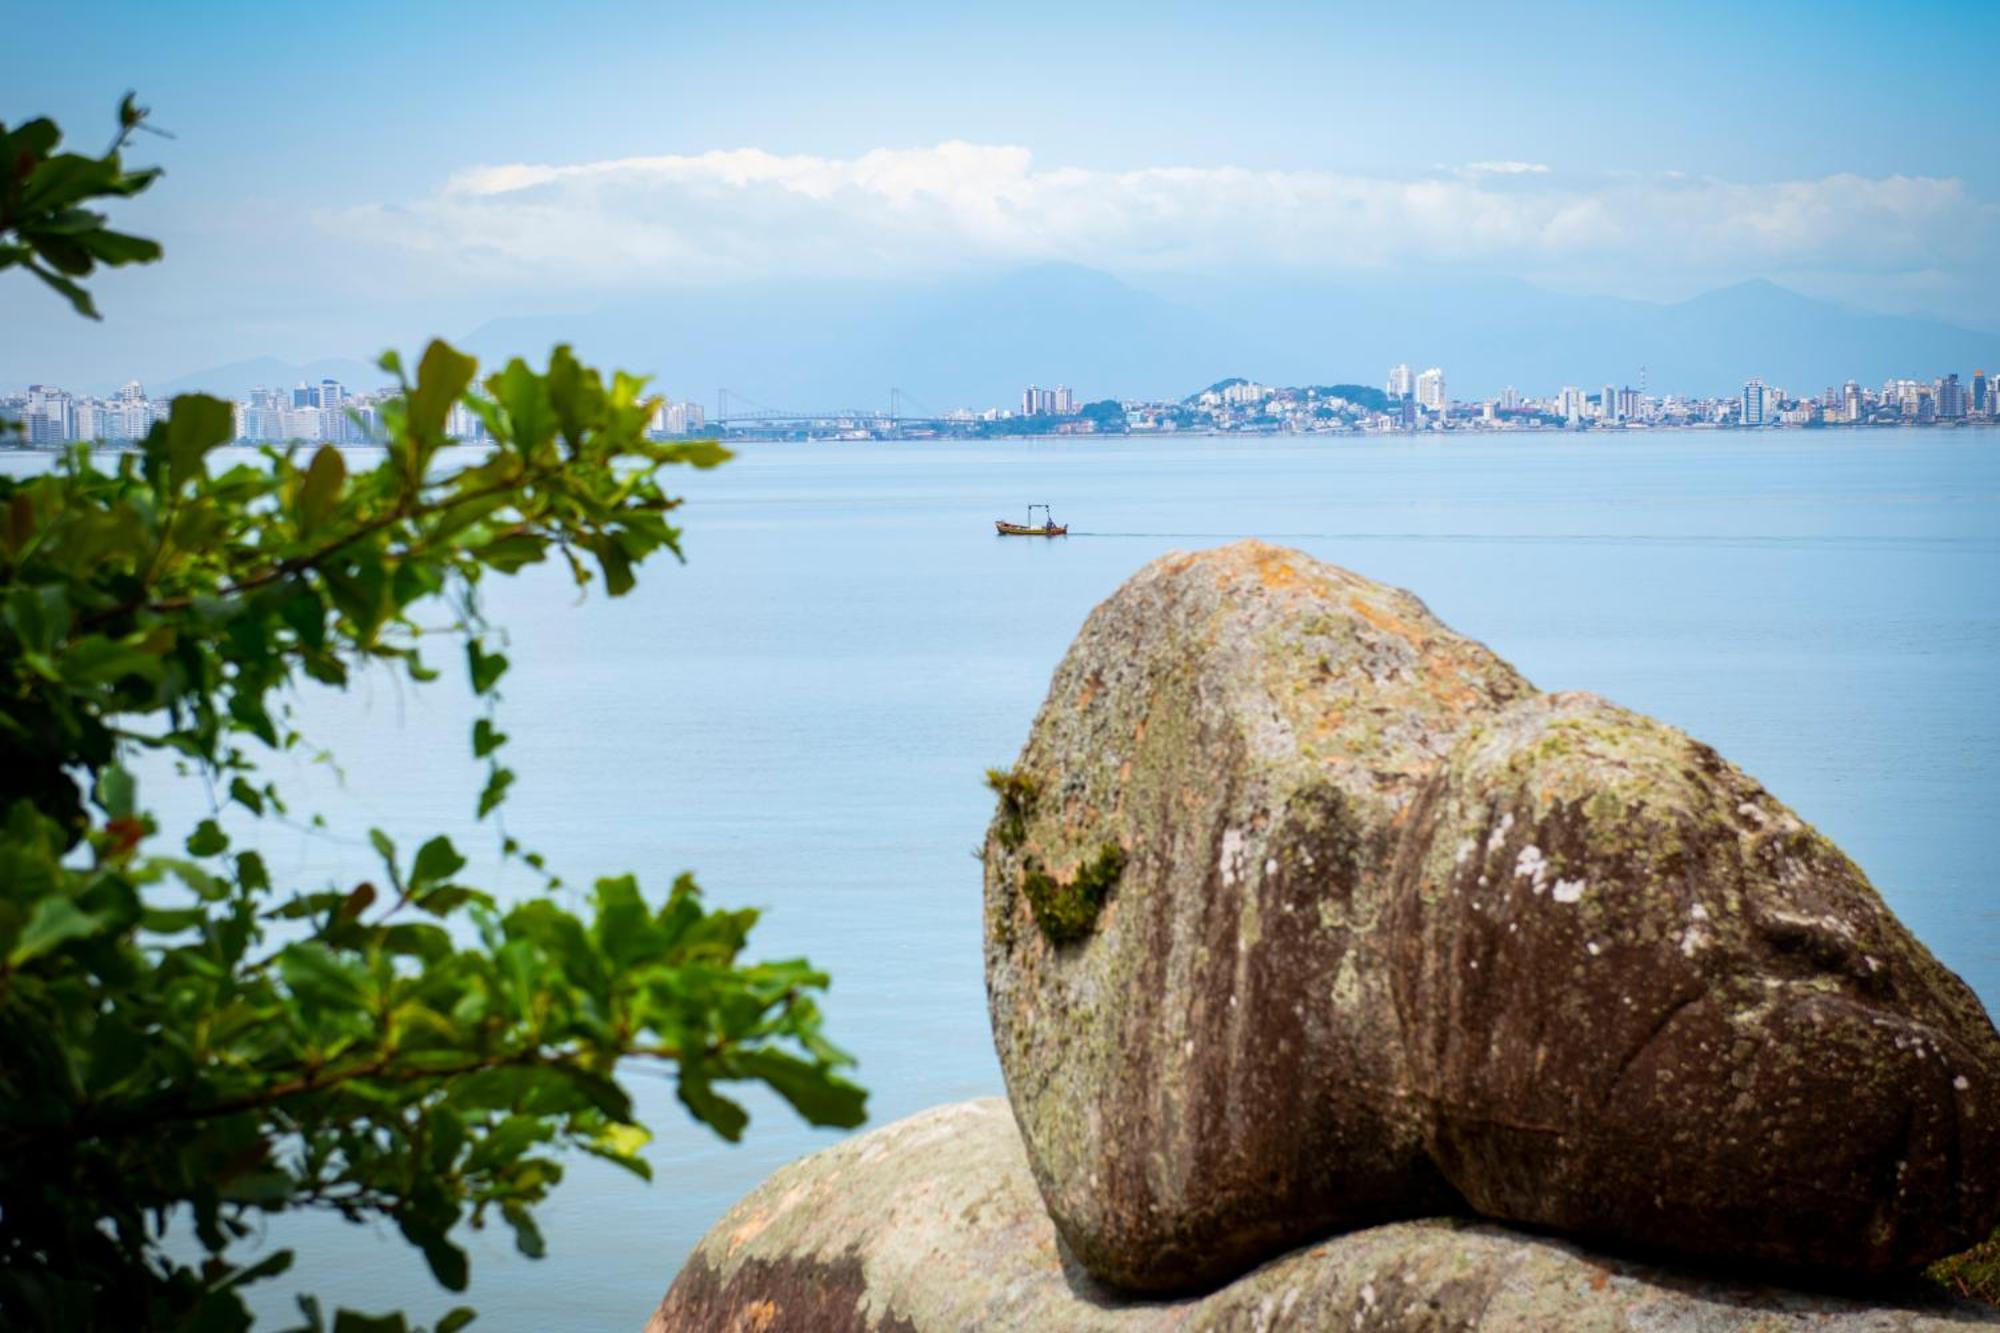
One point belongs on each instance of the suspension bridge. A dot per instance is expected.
(739, 411)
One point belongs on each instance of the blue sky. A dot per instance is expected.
(347, 176)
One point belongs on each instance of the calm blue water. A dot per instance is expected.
(802, 715)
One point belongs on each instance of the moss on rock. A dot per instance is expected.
(1067, 910)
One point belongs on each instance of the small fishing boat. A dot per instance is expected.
(1048, 527)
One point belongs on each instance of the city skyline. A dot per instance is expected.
(882, 144)
(330, 412)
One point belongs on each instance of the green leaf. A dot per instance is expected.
(320, 980)
(196, 424)
(447, 1261)
(53, 921)
(271, 1265)
(527, 1236)
(437, 860)
(351, 1321)
(486, 738)
(208, 839)
(495, 790)
(319, 492)
(117, 792)
(246, 796)
(455, 1319)
(712, 1109)
(485, 668)
(442, 377)
(822, 1097)
(698, 453)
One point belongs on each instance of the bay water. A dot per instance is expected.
(802, 715)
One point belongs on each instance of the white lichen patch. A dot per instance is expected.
(1234, 853)
(1568, 890)
(1531, 865)
(1693, 939)
(1465, 851)
(1962, 1083)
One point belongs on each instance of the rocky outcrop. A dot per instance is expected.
(935, 1225)
(1305, 913)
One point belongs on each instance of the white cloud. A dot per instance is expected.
(726, 215)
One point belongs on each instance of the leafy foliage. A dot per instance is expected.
(44, 226)
(183, 1038)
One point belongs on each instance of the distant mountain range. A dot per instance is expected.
(977, 341)
(267, 372)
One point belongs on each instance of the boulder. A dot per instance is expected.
(935, 1224)
(1305, 913)
(1646, 1004)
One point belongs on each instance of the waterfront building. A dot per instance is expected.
(1569, 403)
(1607, 404)
(1950, 396)
(1982, 394)
(1754, 403)
(305, 423)
(1850, 401)
(1430, 389)
(1064, 404)
(51, 415)
(1399, 385)
(1510, 398)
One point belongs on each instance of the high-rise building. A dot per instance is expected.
(1065, 403)
(1430, 389)
(1029, 397)
(51, 417)
(301, 423)
(1754, 403)
(305, 395)
(1510, 398)
(1570, 403)
(1607, 404)
(1950, 398)
(1982, 394)
(1399, 385)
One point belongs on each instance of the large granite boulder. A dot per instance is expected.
(935, 1225)
(1645, 1003)
(1305, 913)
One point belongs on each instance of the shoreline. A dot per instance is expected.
(1431, 434)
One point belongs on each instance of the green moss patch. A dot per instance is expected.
(1018, 794)
(1067, 912)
